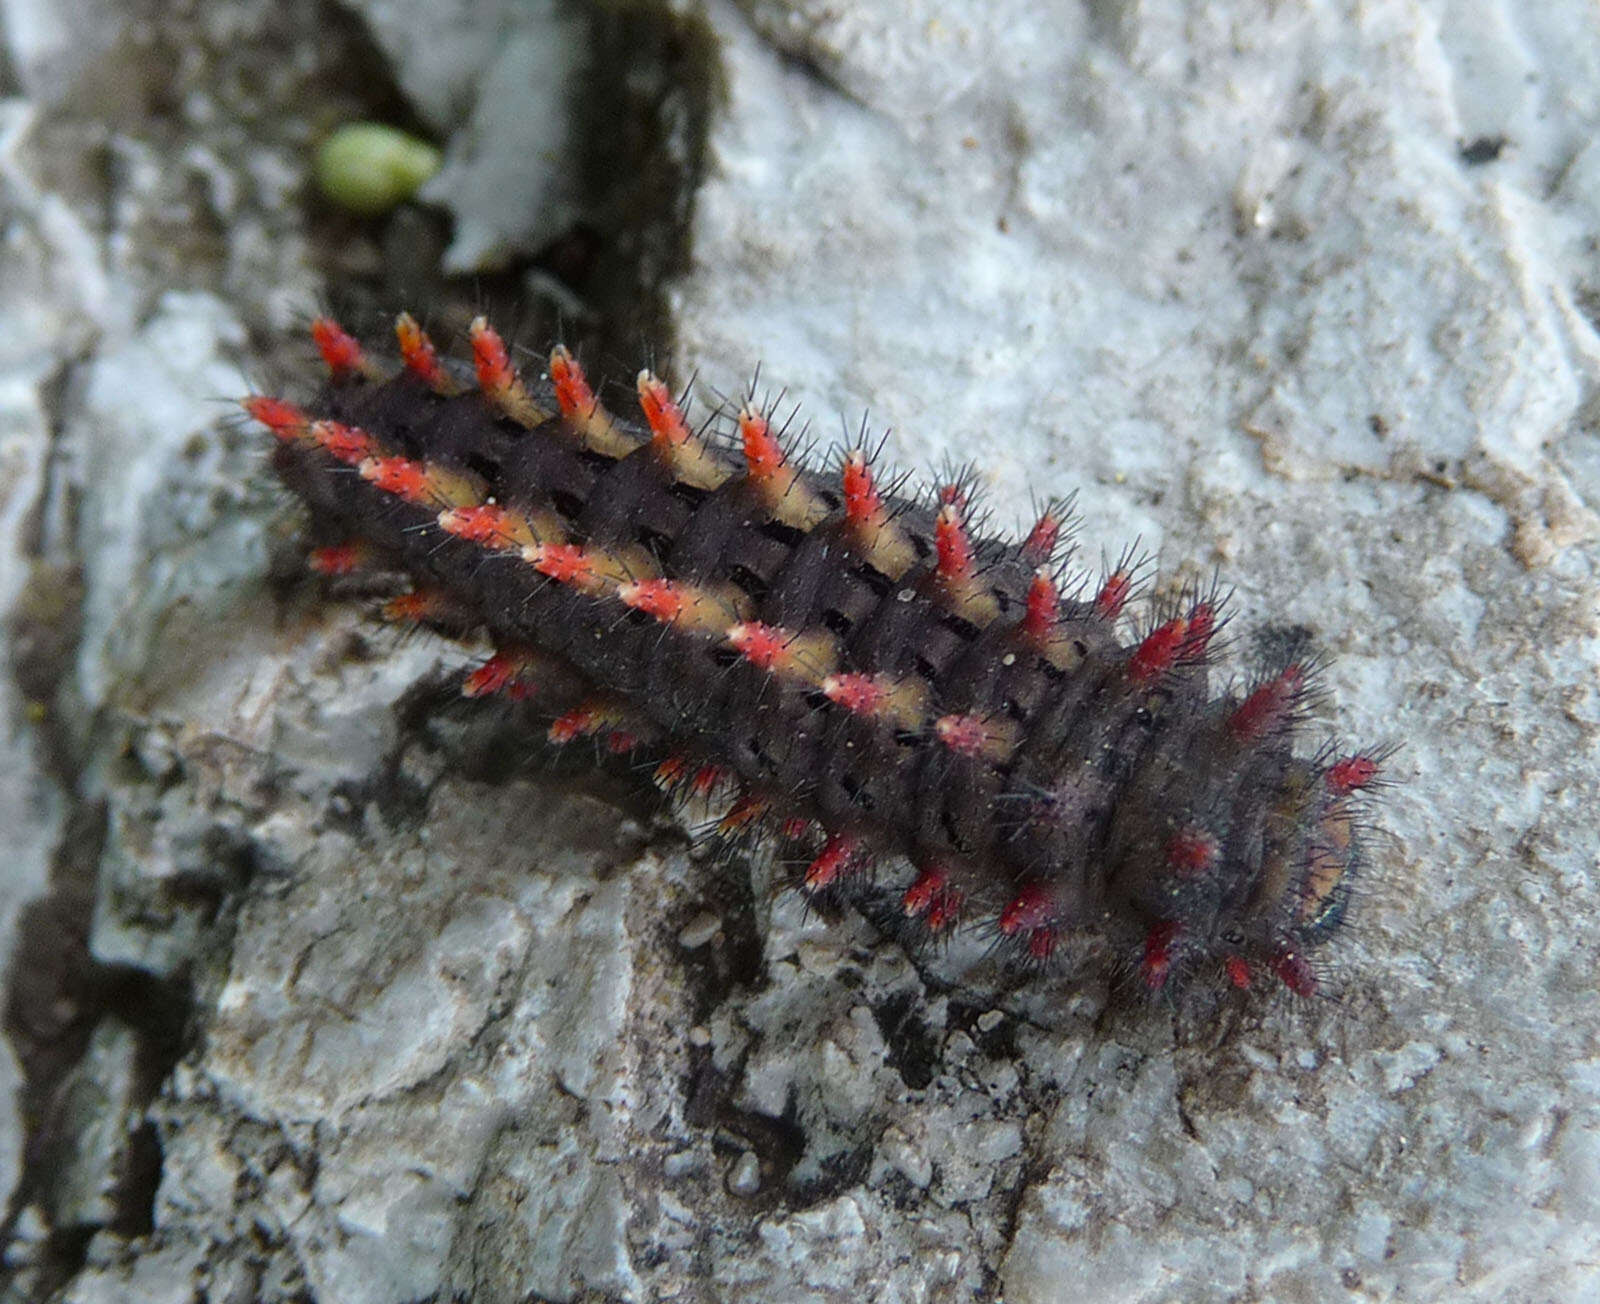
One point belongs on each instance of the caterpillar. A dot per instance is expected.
(866, 678)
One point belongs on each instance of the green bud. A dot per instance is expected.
(368, 168)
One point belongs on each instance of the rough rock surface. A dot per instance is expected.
(314, 995)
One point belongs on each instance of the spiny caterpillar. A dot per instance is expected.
(871, 681)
